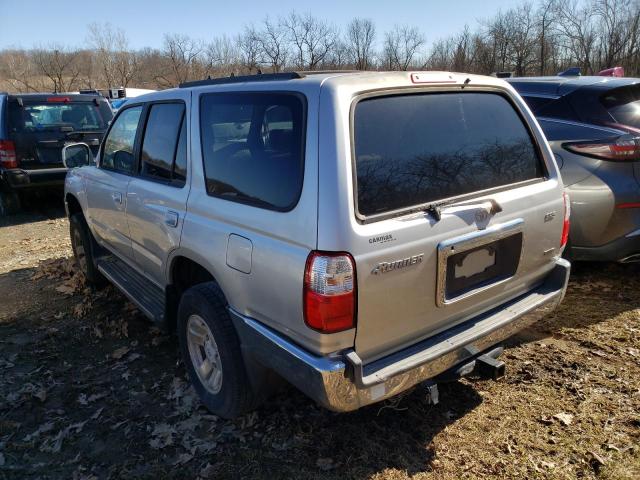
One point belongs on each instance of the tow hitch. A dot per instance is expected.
(486, 365)
(490, 367)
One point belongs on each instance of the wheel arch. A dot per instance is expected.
(184, 271)
(72, 205)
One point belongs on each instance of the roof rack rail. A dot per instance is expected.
(322, 72)
(260, 77)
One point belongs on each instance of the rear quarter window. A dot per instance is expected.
(253, 147)
(418, 148)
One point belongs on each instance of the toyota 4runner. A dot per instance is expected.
(356, 234)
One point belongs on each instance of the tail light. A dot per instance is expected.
(565, 224)
(625, 148)
(329, 292)
(628, 205)
(8, 157)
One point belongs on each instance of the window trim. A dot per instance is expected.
(303, 146)
(384, 92)
(136, 140)
(138, 154)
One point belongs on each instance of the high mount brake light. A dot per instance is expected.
(625, 148)
(329, 292)
(565, 223)
(58, 99)
(8, 157)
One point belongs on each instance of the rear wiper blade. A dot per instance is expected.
(434, 208)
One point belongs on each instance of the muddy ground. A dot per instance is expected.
(90, 390)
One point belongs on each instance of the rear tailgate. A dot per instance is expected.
(40, 129)
(492, 235)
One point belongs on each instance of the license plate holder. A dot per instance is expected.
(472, 263)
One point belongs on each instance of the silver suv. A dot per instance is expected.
(353, 233)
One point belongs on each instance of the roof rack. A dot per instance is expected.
(260, 77)
(323, 72)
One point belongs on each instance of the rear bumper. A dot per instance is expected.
(624, 249)
(342, 383)
(17, 179)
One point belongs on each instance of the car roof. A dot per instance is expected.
(310, 81)
(559, 86)
(42, 97)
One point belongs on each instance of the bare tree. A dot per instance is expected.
(21, 73)
(312, 40)
(272, 38)
(182, 60)
(117, 62)
(576, 26)
(249, 48)
(402, 46)
(223, 56)
(545, 21)
(524, 40)
(59, 65)
(360, 37)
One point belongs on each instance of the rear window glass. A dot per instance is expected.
(253, 147)
(418, 148)
(623, 104)
(78, 116)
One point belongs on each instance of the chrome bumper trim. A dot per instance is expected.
(342, 383)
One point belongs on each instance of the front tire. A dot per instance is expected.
(84, 249)
(211, 352)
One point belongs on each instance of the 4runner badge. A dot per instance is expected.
(384, 267)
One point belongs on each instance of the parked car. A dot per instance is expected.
(593, 127)
(33, 130)
(355, 233)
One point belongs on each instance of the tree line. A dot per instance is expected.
(540, 38)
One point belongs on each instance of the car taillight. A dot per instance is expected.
(565, 224)
(628, 205)
(8, 157)
(329, 292)
(625, 148)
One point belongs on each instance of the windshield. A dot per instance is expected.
(623, 104)
(78, 116)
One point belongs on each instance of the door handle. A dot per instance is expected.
(117, 197)
(171, 218)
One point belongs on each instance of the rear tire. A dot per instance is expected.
(211, 352)
(85, 248)
(9, 203)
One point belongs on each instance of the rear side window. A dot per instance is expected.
(253, 147)
(160, 147)
(623, 104)
(418, 148)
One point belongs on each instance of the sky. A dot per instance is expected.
(28, 23)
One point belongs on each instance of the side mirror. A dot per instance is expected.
(77, 155)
